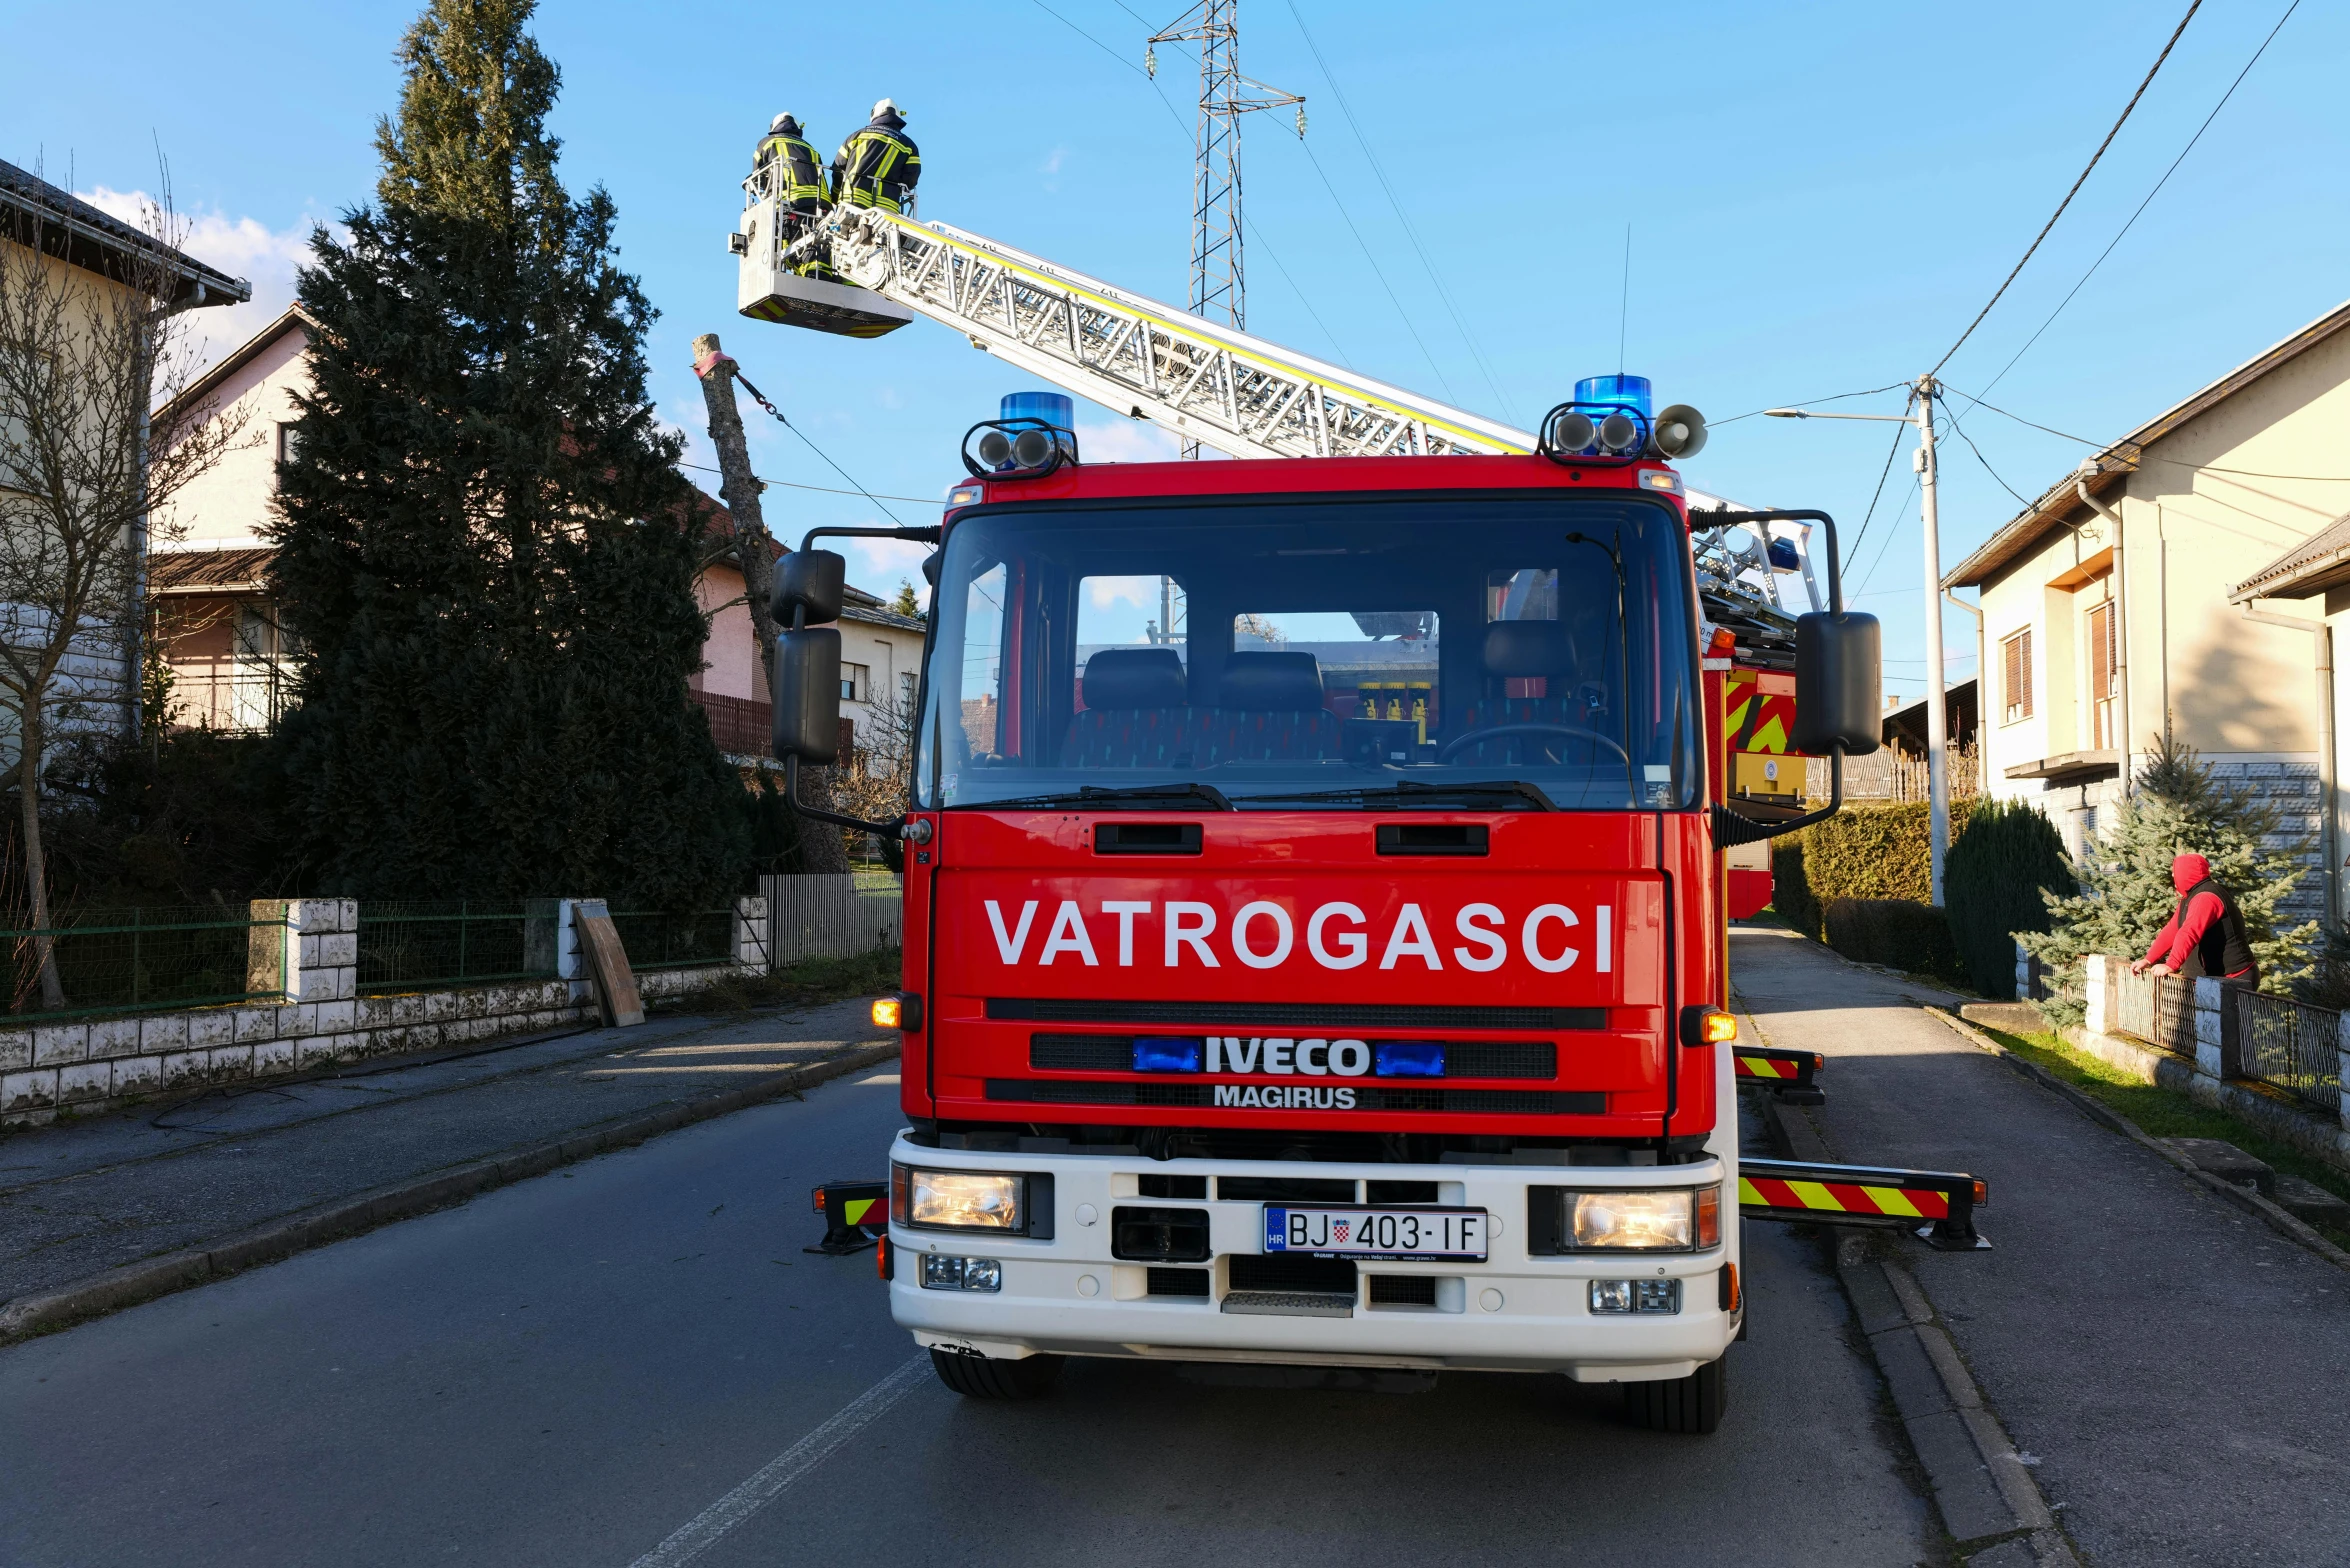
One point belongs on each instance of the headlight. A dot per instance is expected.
(964, 1200)
(1676, 1219)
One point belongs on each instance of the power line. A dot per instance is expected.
(2192, 8)
(2176, 462)
(1408, 324)
(1959, 430)
(788, 484)
(2150, 195)
(1878, 495)
(1836, 397)
(760, 398)
(1402, 218)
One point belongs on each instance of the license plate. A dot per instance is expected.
(1398, 1235)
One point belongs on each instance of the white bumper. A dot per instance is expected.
(1513, 1312)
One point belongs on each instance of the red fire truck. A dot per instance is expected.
(1329, 969)
(1317, 867)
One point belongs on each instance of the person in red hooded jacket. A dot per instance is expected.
(2205, 934)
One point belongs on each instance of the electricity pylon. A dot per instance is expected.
(1219, 278)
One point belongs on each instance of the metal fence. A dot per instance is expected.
(2156, 1008)
(146, 959)
(410, 944)
(660, 939)
(835, 916)
(2292, 1045)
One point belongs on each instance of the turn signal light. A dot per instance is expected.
(1707, 1026)
(897, 1012)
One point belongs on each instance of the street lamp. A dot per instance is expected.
(1937, 719)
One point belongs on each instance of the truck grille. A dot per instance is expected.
(1282, 1286)
(1289, 1015)
(1114, 1053)
(1368, 1097)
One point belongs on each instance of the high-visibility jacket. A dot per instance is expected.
(797, 178)
(877, 167)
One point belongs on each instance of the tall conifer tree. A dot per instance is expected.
(484, 542)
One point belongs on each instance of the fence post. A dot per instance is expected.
(272, 967)
(2219, 1048)
(2097, 996)
(750, 934)
(2342, 1063)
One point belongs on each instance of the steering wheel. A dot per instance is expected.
(1445, 752)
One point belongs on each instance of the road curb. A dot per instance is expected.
(1986, 1495)
(2284, 1223)
(281, 1238)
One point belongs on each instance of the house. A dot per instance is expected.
(231, 667)
(2136, 598)
(106, 263)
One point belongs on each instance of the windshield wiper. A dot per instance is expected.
(1418, 793)
(1100, 797)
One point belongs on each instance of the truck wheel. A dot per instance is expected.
(1683, 1404)
(979, 1377)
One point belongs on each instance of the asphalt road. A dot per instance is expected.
(574, 1370)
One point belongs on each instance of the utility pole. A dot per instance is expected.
(1219, 279)
(1922, 393)
(1937, 703)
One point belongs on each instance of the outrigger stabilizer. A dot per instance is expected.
(856, 1215)
(1872, 1195)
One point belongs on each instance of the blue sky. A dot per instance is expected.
(1820, 196)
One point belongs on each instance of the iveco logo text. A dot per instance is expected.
(1263, 935)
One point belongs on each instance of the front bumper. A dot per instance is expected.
(1514, 1312)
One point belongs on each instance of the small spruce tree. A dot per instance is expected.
(906, 603)
(2126, 894)
(483, 541)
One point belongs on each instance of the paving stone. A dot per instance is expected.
(2306, 1200)
(1963, 1488)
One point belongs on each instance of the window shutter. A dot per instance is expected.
(2101, 652)
(2024, 690)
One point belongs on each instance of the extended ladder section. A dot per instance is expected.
(863, 272)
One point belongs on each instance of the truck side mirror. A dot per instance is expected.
(807, 688)
(811, 582)
(1838, 682)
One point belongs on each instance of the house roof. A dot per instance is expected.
(2318, 562)
(208, 571)
(2115, 462)
(38, 215)
(198, 393)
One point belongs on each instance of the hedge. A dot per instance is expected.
(1864, 852)
(1900, 933)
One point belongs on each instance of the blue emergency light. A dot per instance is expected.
(1408, 1059)
(1159, 1055)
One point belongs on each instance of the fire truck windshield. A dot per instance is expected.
(1496, 653)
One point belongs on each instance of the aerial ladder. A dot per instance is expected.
(865, 271)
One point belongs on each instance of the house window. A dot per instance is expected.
(2015, 659)
(289, 442)
(855, 681)
(906, 695)
(2104, 644)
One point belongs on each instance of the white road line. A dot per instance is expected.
(698, 1534)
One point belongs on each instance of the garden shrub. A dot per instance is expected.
(1991, 886)
(1900, 933)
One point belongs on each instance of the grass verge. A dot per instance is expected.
(805, 983)
(2166, 1113)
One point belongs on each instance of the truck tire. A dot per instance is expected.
(980, 1377)
(1692, 1404)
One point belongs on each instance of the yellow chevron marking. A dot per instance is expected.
(1771, 736)
(853, 1212)
(1892, 1201)
(1747, 1194)
(1814, 1196)
(1764, 1067)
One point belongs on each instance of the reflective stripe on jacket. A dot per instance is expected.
(798, 179)
(877, 167)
